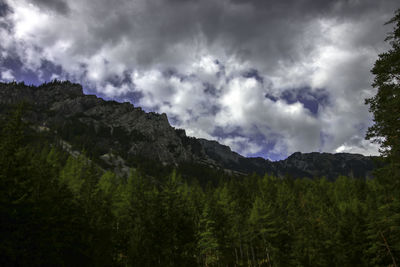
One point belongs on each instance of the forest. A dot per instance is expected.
(59, 209)
(63, 209)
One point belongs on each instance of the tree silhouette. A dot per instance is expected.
(385, 105)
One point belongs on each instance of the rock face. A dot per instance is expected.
(109, 127)
(330, 165)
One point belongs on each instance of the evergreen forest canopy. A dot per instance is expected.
(62, 209)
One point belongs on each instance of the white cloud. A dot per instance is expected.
(243, 144)
(114, 91)
(7, 75)
(364, 147)
(190, 59)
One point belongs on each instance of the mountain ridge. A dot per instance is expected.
(110, 127)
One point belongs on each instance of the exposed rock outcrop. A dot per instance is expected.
(109, 127)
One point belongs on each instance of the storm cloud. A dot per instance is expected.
(266, 77)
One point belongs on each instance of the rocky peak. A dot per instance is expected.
(64, 89)
(220, 152)
(311, 164)
(42, 95)
(109, 127)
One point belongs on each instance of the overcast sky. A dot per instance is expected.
(268, 78)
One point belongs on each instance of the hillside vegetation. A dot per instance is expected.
(60, 209)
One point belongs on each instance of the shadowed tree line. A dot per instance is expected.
(61, 210)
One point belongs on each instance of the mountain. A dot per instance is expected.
(119, 135)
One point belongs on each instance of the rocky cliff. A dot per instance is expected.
(109, 129)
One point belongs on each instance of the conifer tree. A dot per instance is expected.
(207, 243)
(385, 105)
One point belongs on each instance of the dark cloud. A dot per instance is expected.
(276, 76)
(4, 9)
(311, 99)
(253, 73)
(59, 6)
(47, 72)
(292, 9)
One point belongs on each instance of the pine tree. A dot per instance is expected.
(207, 243)
(385, 105)
(264, 231)
(39, 222)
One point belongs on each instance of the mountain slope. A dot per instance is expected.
(119, 134)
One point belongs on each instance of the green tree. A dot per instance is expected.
(383, 231)
(39, 221)
(383, 224)
(82, 178)
(264, 232)
(385, 105)
(207, 242)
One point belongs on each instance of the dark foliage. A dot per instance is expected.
(385, 105)
(62, 210)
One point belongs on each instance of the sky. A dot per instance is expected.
(268, 78)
